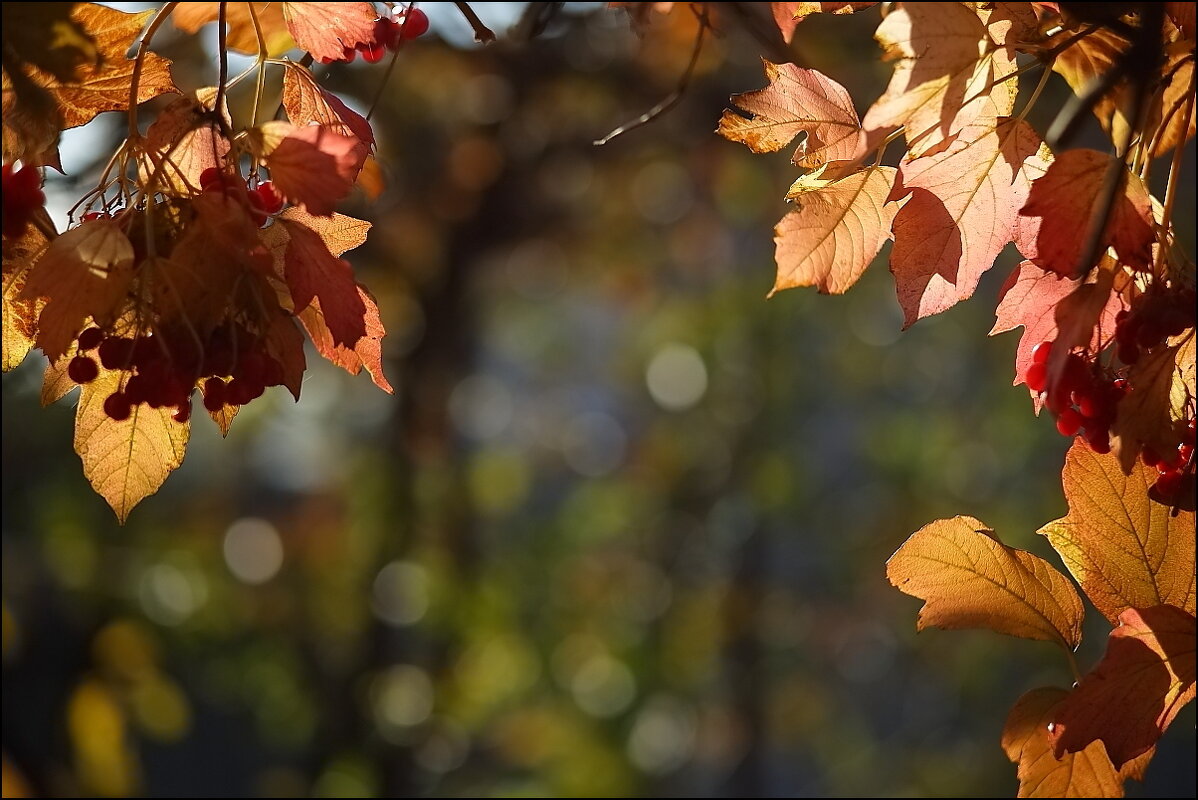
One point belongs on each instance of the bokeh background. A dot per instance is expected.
(622, 528)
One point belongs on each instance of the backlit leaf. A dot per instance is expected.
(305, 102)
(969, 579)
(126, 461)
(1145, 678)
(326, 29)
(1025, 740)
(190, 17)
(1146, 414)
(313, 166)
(837, 229)
(20, 313)
(1125, 550)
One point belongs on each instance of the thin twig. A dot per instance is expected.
(674, 97)
(139, 61)
(482, 34)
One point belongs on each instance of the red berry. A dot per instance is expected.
(22, 197)
(1041, 353)
(1168, 484)
(1069, 423)
(82, 369)
(1099, 440)
(270, 197)
(117, 406)
(90, 339)
(1086, 404)
(386, 33)
(184, 413)
(414, 24)
(257, 208)
(94, 215)
(116, 352)
(348, 54)
(373, 53)
(1171, 460)
(1036, 377)
(1057, 401)
(211, 178)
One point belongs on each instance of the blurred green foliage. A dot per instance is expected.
(622, 528)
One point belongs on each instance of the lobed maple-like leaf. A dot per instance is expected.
(1025, 739)
(1086, 61)
(1146, 414)
(1125, 550)
(126, 460)
(182, 142)
(837, 229)
(20, 313)
(950, 72)
(969, 579)
(241, 36)
(306, 101)
(84, 273)
(1145, 678)
(313, 166)
(367, 352)
(1030, 298)
(962, 210)
(326, 29)
(797, 101)
(788, 15)
(1067, 200)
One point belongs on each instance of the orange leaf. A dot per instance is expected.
(126, 461)
(1125, 550)
(190, 17)
(797, 101)
(313, 166)
(182, 142)
(85, 272)
(969, 579)
(1086, 773)
(312, 271)
(1066, 202)
(963, 207)
(1030, 298)
(950, 72)
(837, 229)
(1146, 415)
(305, 101)
(1131, 697)
(788, 15)
(326, 29)
(20, 313)
(367, 352)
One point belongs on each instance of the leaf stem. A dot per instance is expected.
(139, 62)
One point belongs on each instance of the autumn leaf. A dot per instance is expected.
(312, 166)
(46, 36)
(1025, 740)
(126, 460)
(949, 73)
(326, 29)
(1145, 678)
(1182, 15)
(788, 15)
(1125, 550)
(1173, 112)
(305, 101)
(969, 579)
(367, 352)
(21, 313)
(837, 229)
(1029, 298)
(84, 272)
(56, 381)
(962, 210)
(1145, 415)
(1086, 61)
(285, 344)
(797, 101)
(182, 142)
(312, 271)
(1067, 199)
(241, 37)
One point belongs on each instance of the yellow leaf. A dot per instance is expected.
(20, 313)
(969, 579)
(128, 460)
(1125, 550)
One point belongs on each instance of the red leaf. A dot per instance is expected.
(312, 271)
(326, 29)
(313, 166)
(1131, 697)
(366, 353)
(1030, 298)
(788, 15)
(1066, 200)
(963, 208)
(305, 102)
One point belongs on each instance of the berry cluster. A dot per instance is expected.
(1082, 400)
(389, 34)
(1153, 318)
(163, 369)
(1172, 467)
(262, 201)
(23, 196)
